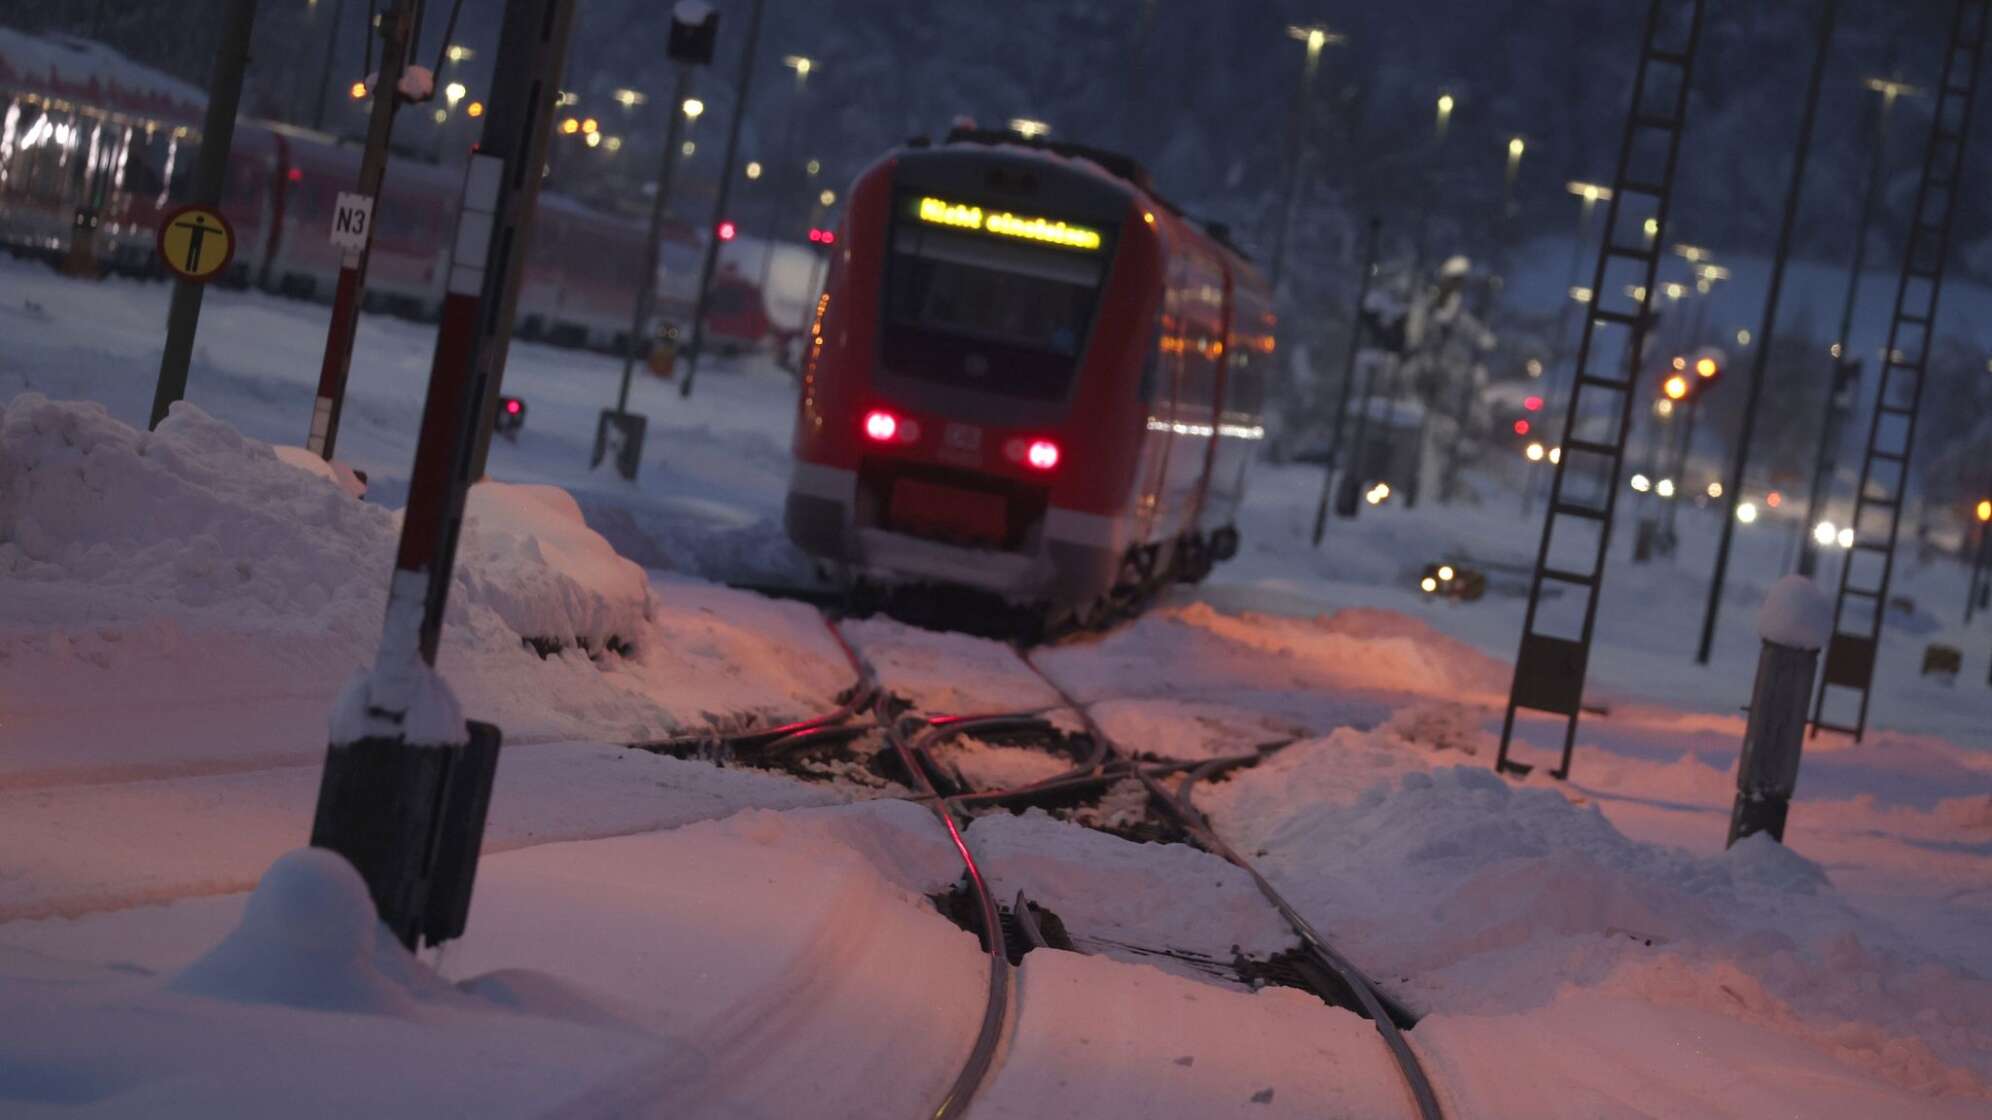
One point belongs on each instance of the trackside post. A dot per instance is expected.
(406, 780)
(353, 230)
(210, 169)
(694, 26)
(1794, 623)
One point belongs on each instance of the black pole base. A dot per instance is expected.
(621, 433)
(410, 819)
(1758, 814)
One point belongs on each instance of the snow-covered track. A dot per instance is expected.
(1181, 807)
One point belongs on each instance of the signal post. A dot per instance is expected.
(405, 809)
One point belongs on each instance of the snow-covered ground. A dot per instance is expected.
(661, 937)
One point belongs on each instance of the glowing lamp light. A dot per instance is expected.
(728, 231)
(1664, 488)
(594, 138)
(1428, 585)
(359, 91)
(454, 92)
(1845, 538)
(1042, 454)
(1705, 367)
(1556, 454)
(570, 126)
(1746, 512)
(1378, 494)
(1521, 427)
(1675, 387)
(1532, 404)
(474, 109)
(1446, 573)
(1825, 533)
(827, 198)
(693, 107)
(881, 426)
(1534, 452)
(1641, 483)
(591, 126)
(1774, 499)
(1715, 489)
(1985, 509)
(753, 169)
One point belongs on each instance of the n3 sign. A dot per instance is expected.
(350, 221)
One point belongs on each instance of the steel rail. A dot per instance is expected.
(1180, 806)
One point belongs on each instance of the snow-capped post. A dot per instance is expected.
(1348, 379)
(694, 28)
(711, 261)
(407, 780)
(210, 169)
(1795, 621)
(354, 218)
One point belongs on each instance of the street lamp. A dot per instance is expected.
(1028, 128)
(693, 107)
(459, 53)
(800, 64)
(628, 98)
(753, 169)
(1316, 36)
(1446, 103)
(454, 92)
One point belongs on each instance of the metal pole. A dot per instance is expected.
(725, 192)
(1679, 471)
(786, 158)
(325, 70)
(525, 149)
(396, 32)
(1734, 491)
(646, 292)
(1977, 572)
(1348, 379)
(231, 58)
(1829, 434)
(1296, 145)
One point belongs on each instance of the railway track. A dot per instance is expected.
(911, 737)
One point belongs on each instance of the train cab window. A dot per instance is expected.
(967, 309)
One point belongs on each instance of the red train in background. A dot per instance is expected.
(85, 131)
(1028, 374)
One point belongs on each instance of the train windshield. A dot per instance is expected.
(969, 307)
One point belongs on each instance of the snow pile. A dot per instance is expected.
(1795, 614)
(1157, 896)
(948, 674)
(113, 523)
(308, 461)
(309, 939)
(527, 554)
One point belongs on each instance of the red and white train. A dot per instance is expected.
(1030, 375)
(84, 129)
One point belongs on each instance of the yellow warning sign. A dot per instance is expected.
(196, 242)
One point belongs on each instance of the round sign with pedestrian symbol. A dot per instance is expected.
(196, 242)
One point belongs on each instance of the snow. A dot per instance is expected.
(307, 939)
(180, 609)
(1158, 896)
(1796, 614)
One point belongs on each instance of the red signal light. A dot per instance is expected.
(513, 406)
(1532, 404)
(296, 175)
(1521, 427)
(816, 235)
(829, 237)
(1042, 454)
(727, 231)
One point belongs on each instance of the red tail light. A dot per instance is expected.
(1042, 454)
(881, 426)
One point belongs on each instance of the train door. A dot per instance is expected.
(1158, 388)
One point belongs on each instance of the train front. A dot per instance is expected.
(969, 412)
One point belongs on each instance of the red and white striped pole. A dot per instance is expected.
(396, 30)
(407, 780)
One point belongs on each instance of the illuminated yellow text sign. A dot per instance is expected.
(1002, 223)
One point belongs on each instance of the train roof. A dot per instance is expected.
(67, 66)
